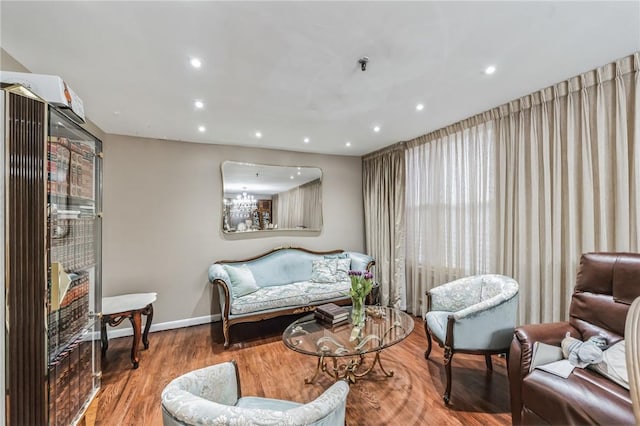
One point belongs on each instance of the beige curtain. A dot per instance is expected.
(568, 174)
(525, 188)
(383, 181)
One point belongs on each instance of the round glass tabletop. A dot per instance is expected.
(383, 327)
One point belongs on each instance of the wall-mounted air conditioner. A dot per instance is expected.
(51, 88)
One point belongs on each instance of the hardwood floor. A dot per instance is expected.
(267, 368)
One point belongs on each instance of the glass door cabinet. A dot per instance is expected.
(53, 197)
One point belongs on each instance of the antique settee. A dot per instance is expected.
(284, 281)
(606, 284)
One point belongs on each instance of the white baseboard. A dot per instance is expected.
(169, 325)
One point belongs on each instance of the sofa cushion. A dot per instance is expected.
(323, 271)
(296, 294)
(242, 281)
(342, 269)
(584, 398)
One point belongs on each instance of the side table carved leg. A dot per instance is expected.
(148, 311)
(103, 336)
(136, 323)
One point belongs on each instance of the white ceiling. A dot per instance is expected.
(289, 69)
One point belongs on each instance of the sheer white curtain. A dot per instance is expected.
(451, 204)
(527, 187)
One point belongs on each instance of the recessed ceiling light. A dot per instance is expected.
(198, 104)
(258, 135)
(201, 129)
(490, 70)
(306, 140)
(195, 62)
(348, 144)
(419, 107)
(291, 177)
(376, 129)
(299, 168)
(299, 173)
(116, 112)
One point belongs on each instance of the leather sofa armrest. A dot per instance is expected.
(520, 356)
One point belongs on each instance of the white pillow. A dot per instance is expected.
(323, 271)
(342, 269)
(614, 365)
(242, 280)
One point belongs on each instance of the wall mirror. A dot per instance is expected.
(258, 197)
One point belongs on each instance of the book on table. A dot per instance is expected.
(332, 311)
(335, 320)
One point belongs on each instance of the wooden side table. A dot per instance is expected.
(132, 306)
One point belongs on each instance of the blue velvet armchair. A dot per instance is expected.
(212, 396)
(475, 315)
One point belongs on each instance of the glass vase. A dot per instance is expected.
(357, 311)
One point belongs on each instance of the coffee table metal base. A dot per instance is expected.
(346, 370)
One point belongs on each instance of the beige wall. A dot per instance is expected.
(8, 63)
(162, 206)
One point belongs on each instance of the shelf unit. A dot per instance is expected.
(53, 200)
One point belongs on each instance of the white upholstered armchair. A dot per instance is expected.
(475, 315)
(211, 396)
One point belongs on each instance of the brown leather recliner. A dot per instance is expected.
(607, 283)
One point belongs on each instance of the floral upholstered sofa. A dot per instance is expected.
(287, 280)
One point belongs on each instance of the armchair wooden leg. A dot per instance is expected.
(487, 360)
(448, 358)
(428, 351)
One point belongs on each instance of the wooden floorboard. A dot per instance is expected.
(267, 368)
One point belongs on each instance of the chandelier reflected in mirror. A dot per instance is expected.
(242, 205)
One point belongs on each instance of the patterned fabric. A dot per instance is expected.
(208, 397)
(296, 294)
(505, 287)
(215, 383)
(472, 294)
(323, 271)
(456, 295)
(342, 269)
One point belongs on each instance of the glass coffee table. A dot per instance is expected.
(345, 347)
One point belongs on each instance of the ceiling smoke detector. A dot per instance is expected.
(363, 62)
